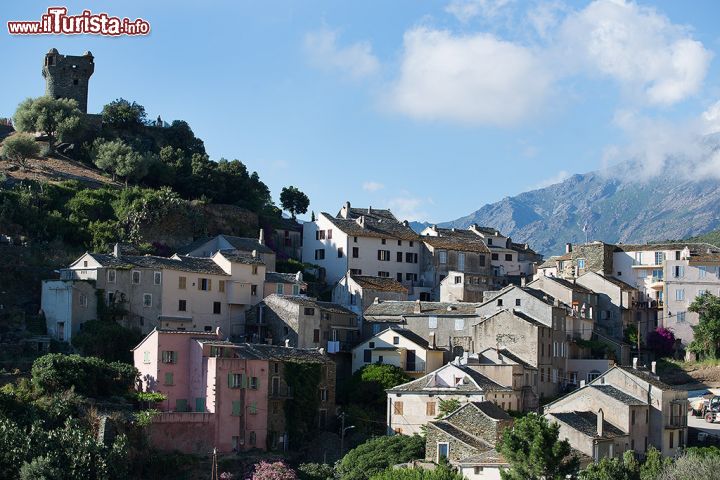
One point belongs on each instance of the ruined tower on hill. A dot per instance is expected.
(68, 76)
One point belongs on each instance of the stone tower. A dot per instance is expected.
(68, 76)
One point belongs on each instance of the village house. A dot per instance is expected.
(286, 239)
(412, 405)
(209, 246)
(506, 368)
(358, 292)
(284, 284)
(223, 395)
(399, 347)
(625, 408)
(467, 438)
(462, 287)
(446, 326)
(618, 304)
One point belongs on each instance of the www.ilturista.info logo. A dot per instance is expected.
(57, 21)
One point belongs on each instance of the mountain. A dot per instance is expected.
(615, 210)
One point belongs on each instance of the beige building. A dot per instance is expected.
(207, 247)
(400, 347)
(358, 292)
(462, 287)
(284, 284)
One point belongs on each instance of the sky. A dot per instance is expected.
(429, 108)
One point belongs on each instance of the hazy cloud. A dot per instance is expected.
(355, 60)
(409, 207)
(466, 10)
(557, 178)
(372, 186)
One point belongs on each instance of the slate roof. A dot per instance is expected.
(379, 227)
(184, 264)
(549, 263)
(618, 282)
(412, 336)
(258, 351)
(397, 308)
(375, 213)
(461, 435)
(617, 394)
(586, 422)
(696, 247)
(488, 457)
(311, 302)
(491, 410)
(704, 258)
(567, 284)
(240, 258)
(646, 376)
(276, 277)
(245, 244)
(425, 383)
(507, 353)
(384, 284)
(457, 242)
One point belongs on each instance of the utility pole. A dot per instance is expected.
(342, 434)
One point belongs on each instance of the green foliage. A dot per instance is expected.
(150, 397)
(446, 407)
(119, 159)
(655, 463)
(144, 417)
(707, 332)
(691, 467)
(367, 386)
(123, 115)
(89, 376)
(107, 340)
(376, 455)
(294, 201)
(442, 472)
(56, 118)
(301, 412)
(627, 468)
(631, 334)
(316, 471)
(19, 147)
(534, 452)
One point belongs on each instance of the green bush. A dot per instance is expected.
(19, 148)
(442, 472)
(88, 376)
(108, 340)
(374, 456)
(316, 471)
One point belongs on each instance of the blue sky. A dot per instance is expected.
(431, 108)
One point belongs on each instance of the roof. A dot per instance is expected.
(517, 313)
(613, 392)
(385, 284)
(488, 457)
(567, 284)
(399, 308)
(491, 410)
(459, 434)
(379, 227)
(185, 264)
(586, 422)
(277, 277)
(618, 282)
(258, 351)
(705, 258)
(369, 212)
(696, 247)
(412, 336)
(192, 334)
(243, 258)
(505, 353)
(549, 263)
(311, 302)
(459, 240)
(245, 244)
(427, 383)
(644, 375)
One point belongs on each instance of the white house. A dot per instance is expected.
(400, 347)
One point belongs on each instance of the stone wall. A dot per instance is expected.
(457, 451)
(473, 421)
(184, 432)
(598, 257)
(67, 76)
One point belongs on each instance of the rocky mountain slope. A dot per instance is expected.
(615, 210)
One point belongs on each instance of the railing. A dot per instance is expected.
(68, 274)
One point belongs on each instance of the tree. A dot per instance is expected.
(446, 407)
(655, 463)
(534, 452)
(707, 331)
(661, 341)
(367, 386)
(89, 376)
(316, 471)
(107, 339)
(118, 158)
(56, 118)
(442, 472)
(374, 456)
(273, 471)
(123, 115)
(294, 201)
(627, 468)
(19, 147)
(691, 466)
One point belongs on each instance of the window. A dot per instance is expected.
(253, 437)
(204, 284)
(672, 439)
(254, 269)
(632, 419)
(279, 288)
(461, 262)
(581, 263)
(443, 450)
(659, 258)
(169, 356)
(399, 277)
(253, 290)
(481, 260)
(383, 255)
(217, 308)
(411, 276)
(323, 394)
(508, 257)
(182, 305)
(254, 383)
(340, 252)
(85, 263)
(111, 276)
(147, 300)
(169, 378)
(316, 336)
(396, 340)
(442, 256)
(499, 302)
(384, 274)
(309, 311)
(518, 302)
(592, 375)
(236, 380)
(157, 278)
(354, 239)
(399, 243)
(458, 279)
(136, 277)
(329, 234)
(679, 271)
(432, 321)
(321, 234)
(430, 409)
(371, 344)
(702, 271)
(398, 408)
(146, 357)
(495, 256)
(399, 257)
(680, 317)
(296, 289)
(182, 283)
(680, 294)
(83, 300)
(489, 241)
(478, 470)
(320, 254)
(382, 240)
(459, 324)
(356, 252)
(367, 356)
(221, 286)
(111, 298)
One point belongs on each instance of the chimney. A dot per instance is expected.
(345, 210)
(582, 383)
(653, 368)
(600, 422)
(321, 350)
(406, 223)
(287, 343)
(568, 247)
(254, 253)
(418, 307)
(116, 250)
(369, 209)
(361, 221)
(376, 300)
(431, 340)
(523, 280)
(261, 238)
(635, 360)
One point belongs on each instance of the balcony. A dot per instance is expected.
(338, 346)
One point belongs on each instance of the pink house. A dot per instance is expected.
(224, 395)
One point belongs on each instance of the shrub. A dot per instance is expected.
(273, 471)
(89, 376)
(19, 148)
(374, 456)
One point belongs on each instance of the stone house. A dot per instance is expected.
(462, 287)
(400, 347)
(414, 404)
(618, 303)
(467, 438)
(284, 284)
(358, 292)
(286, 239)
(209, 246)
(447, 326)
(506, 368)
(625, 408)
(223, 395)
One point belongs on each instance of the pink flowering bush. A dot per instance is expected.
(661, 341)
(273, 471)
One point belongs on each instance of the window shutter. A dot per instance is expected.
(230, 380)
(243, 381)
(199, 283)
(236, 407)
(209, 284)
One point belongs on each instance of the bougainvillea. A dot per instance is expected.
(661, 341)
(273, 471)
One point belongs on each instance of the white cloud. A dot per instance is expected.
(372, 186)
(356, 60)
(466, 10)
(557, 178)
(637, 46)
(476, 79)
(545, 17)
(409, 207)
